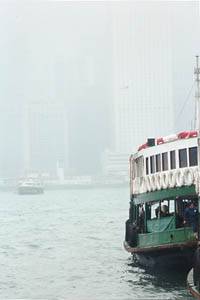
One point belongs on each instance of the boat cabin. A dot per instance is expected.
(162, 221)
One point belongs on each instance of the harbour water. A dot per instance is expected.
(67, 244)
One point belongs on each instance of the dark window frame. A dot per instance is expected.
(152, 164)
(165, 162)
(173, 159)
(158, 162)
(147, 165)
(183, 158)
(193, 160)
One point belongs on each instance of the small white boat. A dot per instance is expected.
(30, 186)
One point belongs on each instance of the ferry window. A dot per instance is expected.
(171, 206)
(173, 159)
(140, 166)
(193, 156)
(154, 209)
(152, 164)
(183, 158)
(159, 210)
(147, 165)
(158, 163)
(132, 169)
(165, 161)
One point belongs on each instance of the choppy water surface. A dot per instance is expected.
(68, 244)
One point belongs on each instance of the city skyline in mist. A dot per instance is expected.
(62, 53)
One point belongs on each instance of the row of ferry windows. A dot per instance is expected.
(163, 162)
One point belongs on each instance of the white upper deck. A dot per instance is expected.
(172, 162)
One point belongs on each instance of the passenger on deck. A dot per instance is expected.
(191, 216)
(179, 221)
(141, 219)
(164, 211)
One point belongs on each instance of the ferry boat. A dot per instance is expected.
(164, 180)
(30, 186)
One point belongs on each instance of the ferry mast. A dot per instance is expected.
(197, 125)
(197, 95)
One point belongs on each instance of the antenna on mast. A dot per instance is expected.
(197, 94)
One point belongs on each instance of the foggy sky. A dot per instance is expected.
(61, 53)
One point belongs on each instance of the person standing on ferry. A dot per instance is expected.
(191, 216)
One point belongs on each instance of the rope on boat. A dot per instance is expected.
(167, 179)
(184, 104)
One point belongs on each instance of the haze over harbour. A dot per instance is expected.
(91, 81)
(83, 85)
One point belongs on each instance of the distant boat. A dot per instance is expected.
(30, 186)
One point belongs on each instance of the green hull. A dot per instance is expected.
(179, 235)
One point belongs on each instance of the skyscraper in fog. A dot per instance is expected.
(46, 125)
(142, 62)
(142, 70)
(45, 139)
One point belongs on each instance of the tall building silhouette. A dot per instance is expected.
(142, 76)
(142, 62)
(45, 137)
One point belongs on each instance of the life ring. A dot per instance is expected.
(161, 181)
(148, 184)
(157, 182)
(188, 176)
(172, 179)
(196, 179)
(196, 174)
(143, 188)
(164, 180)
(153, 183)
(179, 178)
